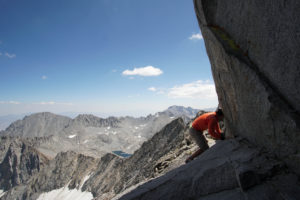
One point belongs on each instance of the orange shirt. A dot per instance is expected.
(208, 121)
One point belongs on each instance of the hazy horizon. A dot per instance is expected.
(103, 114)
(6, 120)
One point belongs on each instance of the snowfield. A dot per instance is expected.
(66, 194)
(2, 193)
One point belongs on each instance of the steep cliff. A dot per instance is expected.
(67, 169)
(253, 47)
(19, 161)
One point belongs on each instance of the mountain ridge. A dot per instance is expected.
(92, 135)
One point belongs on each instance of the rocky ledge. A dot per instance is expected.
(232, 169)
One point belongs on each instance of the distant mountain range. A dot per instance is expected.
(92, 135)
(6, 120)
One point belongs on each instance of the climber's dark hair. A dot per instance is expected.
(219, 112)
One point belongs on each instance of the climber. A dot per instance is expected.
(206, 121)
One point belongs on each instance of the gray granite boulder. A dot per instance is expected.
(253, 47)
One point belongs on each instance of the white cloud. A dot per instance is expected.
(10, 55)
(196, 90)
(197, 36)
(10, 102)
(143, 71)
(47, 103)
(153, 89)
(157, 90)
(44, 77)
(54, 103)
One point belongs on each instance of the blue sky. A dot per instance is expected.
(115, 57)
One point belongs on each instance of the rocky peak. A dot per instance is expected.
(186, 113)
(181, 110)
(91, 120)
(37, 125)
(45, 115)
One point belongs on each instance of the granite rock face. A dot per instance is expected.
(253, 47)
(231, 169)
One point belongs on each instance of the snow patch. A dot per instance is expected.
(139, 136)
(142, 126)
(130, 147)
(71, 136)
(114, 132)
(84, 180)
(136, 127)
(85, 141)
(108, 128)
(2, 193)
(172, 117)
(66, 194)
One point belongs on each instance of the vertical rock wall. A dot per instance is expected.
(254, 50)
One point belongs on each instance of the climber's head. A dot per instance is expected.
(219, 113)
